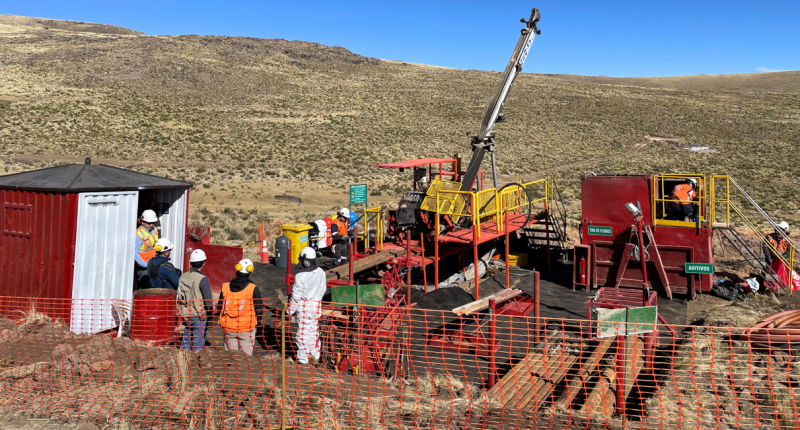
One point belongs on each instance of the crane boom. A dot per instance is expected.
(484, 141)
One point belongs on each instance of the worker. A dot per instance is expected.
(778, 243)
(241, 308)
(682, 208)
(146, 237)
(160, 270)
(341, 232)
(194, 302)
(307, 291)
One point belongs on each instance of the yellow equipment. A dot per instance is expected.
(298, 237)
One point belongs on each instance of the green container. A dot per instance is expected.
(368, 295)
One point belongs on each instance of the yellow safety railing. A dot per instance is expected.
(489, 204)
(379, 230)
(716, 200)
(664, 200)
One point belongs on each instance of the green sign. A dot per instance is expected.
(368, 295)
(626, 321)
(699, 268)
(599, 230)
(358, 194)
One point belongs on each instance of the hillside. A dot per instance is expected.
(263, 117)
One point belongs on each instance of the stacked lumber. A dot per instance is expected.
(366, 263)
(499, 297)
(586, 380)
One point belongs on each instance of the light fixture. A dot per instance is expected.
(633, 209)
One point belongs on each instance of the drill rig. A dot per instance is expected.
(411, 212)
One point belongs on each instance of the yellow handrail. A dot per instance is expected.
(379, 230)
(700, 202)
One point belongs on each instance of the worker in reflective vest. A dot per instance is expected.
(340, 232)
(682, 208)
(778, 242)
(241, 307)
(307, 291)
(146, 238)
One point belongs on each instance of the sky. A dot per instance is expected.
(608, 38)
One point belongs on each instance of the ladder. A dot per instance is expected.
(554, 225)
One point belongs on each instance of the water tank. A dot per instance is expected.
(322, 227)
(282, 251)
(154, 316)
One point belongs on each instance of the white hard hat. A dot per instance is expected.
(245, 266)
(149, 216)
(197, 256)
(308, 253)
(783, 225)
(693, 181)
(163, 245)
(344, 212)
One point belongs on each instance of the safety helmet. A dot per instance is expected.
(783, 225)
(149, 216)
(197, 256)
(307, 255)
(163, 245)
(245, 266)
(692, 182)
(344, 212)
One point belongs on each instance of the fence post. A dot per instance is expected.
(537, 321)
(620, 367)
(492, 340)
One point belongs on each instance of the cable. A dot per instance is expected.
(781, 328)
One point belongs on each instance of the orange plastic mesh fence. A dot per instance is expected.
(381, 368)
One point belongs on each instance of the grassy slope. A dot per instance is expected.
(230, 110)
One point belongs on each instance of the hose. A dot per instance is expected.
(198, 232)
(781, 328)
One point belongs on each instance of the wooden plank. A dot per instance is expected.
(577, 381)
(483, 303)
(525, 366)
(546, 383)
(343, 271)
(525, 387)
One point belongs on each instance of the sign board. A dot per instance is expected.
(368, 295)
(599, 230)
(699, 268)
(625, 321)
(358, 194)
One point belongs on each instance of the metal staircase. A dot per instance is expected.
(553, 225)
(752, 255)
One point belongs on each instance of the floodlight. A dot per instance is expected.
(633, 209)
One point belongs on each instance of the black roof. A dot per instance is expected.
(87, 177)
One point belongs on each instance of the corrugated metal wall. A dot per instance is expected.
(37, 243)
(173, 223)
(104, 254)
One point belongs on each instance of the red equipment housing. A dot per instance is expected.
(603, 199)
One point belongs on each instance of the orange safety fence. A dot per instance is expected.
(384, 368)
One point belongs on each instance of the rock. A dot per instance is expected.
(746, 407)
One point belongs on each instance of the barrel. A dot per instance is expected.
(154, 316)
(282, 251)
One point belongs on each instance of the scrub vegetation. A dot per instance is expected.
(241, 117)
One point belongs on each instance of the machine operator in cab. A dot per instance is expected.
(340, 232)
(146, 237)
(682, 208)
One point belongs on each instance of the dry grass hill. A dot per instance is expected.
(246, 119)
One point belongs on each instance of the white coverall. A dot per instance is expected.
(307, 292)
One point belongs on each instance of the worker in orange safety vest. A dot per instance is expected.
(682, 208)
(146, 238)
(241, 308)
(340, 232)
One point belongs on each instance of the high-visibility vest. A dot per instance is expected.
(341, 225)
(146, 250)
(683, 192)
(778, 242)
(238, 314)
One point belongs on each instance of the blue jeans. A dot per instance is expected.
(194, 336)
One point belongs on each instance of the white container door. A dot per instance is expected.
(171, 210)
(104, 258)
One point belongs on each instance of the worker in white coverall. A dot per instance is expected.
(307, 291)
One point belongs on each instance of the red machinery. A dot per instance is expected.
(610, 233)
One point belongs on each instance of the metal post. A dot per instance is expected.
(547, 233)
(422, 256)
(492, 340)
(436, 263)
(620, 368)
(494, 171)
(350, 257)
(644, 261)
(537, 322)
(408, 257)
(475, 264)
(283, 367)
(289, 271)
(508, 266)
